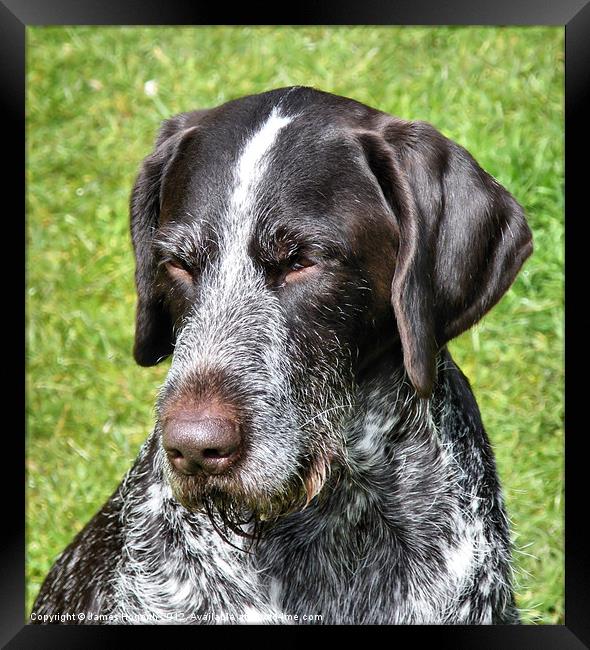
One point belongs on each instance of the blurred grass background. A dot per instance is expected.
(95, 97)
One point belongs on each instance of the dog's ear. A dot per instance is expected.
(153, 327)
(462, 238)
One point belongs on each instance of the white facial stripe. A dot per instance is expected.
(251, 167)
(250, 170)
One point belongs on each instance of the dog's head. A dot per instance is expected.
(286, 243)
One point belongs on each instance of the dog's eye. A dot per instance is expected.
(177, 271)
(299, 269)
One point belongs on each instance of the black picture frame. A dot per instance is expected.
(574, 15)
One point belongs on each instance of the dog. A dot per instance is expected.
(318, 457)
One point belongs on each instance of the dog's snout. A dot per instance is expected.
(202, 444)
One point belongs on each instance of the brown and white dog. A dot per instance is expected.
(317, 455)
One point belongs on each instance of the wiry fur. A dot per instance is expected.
(366, 489)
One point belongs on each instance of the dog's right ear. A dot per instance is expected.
(154, 338)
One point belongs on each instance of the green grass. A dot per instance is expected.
(497, 91)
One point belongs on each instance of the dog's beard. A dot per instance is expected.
(237, 507)
(240, 509)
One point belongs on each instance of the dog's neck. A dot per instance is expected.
(395, 498)
(392, 433)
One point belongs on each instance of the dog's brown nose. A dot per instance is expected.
(210, 445)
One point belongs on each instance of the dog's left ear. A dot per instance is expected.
(153, 324)
(462, 238)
